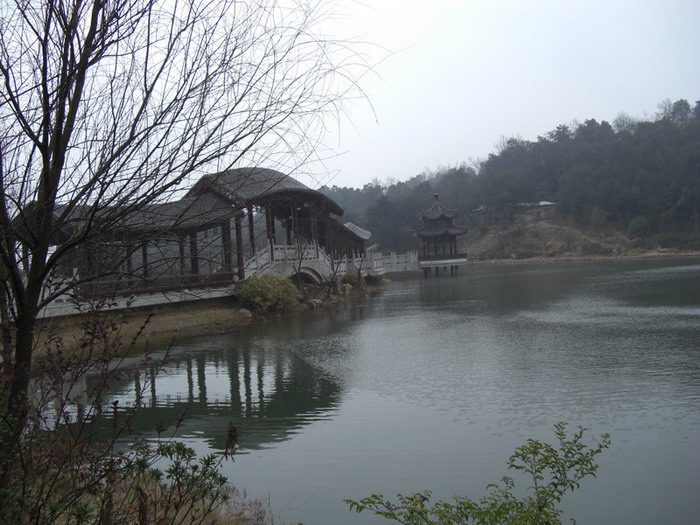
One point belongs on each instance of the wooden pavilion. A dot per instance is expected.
(200, 240)
(439, 239)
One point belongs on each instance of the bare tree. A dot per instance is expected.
(110, 105)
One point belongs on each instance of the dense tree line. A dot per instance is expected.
(639, 176)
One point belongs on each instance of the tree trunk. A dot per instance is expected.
(16, 408)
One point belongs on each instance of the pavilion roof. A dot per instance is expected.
(213, 199)
(437, 230)
(358, 232)
(252, 186)
(437, 211)
(188, 213)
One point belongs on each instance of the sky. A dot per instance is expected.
(453, 78)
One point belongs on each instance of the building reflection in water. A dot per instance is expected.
(268, 392)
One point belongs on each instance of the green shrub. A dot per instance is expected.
(349, 278)
(373, 280)
(267, 293)
(554, 469)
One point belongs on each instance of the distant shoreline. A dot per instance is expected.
(583, 257)
(168, 323)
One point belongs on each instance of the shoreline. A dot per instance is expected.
(588, 258)
(163, 324)
(166, 323)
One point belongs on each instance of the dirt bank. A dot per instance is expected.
(552, 241)
(158, 323)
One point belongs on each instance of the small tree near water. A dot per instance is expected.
(268, 293)
(553, 469)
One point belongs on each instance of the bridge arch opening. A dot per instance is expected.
(307, 275)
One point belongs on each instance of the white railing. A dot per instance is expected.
(405, 262)
(298, 252)
(258, 262)
(283, 258)
(347, 264)
(286, 259)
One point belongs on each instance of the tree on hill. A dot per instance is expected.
(634, 172)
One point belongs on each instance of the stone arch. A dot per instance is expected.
(307, 273)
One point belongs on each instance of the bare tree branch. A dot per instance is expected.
(109, 105)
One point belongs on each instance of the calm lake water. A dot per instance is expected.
(434, 383)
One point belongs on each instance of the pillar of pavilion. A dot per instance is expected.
(439, 239)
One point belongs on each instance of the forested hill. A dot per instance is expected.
(640, 177)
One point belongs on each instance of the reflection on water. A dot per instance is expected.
(434, 383)
(268, 392)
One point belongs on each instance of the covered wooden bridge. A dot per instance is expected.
(229, 226)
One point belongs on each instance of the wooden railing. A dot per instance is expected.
(133, 286)
(310, 254)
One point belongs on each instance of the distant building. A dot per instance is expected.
(519, 212)
(439, 239)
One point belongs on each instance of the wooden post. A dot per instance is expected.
(194, 257)
(144, 259)
(270, 229)
(239, 248)
(183, 264)
(251, 230)
(129, 262)
(226, 245)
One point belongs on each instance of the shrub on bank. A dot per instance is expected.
(350, 278)
(268, 293)
(555, 470)
(373, 280)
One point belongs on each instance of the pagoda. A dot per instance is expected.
(439, 237)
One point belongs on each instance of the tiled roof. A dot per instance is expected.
(436, 230)
(437, 211)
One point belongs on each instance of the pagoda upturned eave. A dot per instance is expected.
(439, 230)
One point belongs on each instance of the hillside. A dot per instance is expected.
(640, 178)
(558, 239)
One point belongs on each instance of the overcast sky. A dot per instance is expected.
(465, 73)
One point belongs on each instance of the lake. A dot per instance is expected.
(432, 385)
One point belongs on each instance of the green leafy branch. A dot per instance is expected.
(554, 470)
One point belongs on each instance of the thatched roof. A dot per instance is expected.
(214, 199)
(255, 186)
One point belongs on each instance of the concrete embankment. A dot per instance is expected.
(162, 323)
